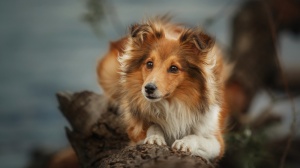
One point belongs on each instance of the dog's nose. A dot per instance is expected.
(150, 88)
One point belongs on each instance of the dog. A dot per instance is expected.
(167, 81)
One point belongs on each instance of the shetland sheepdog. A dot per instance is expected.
(167, 81)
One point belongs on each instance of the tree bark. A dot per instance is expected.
(99, 139)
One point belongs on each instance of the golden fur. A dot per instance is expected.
(186, 67)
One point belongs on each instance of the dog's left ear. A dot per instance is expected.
(203, 41)
(198, 39)
(200, 44)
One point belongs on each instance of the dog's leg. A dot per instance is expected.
(155, 135)
(206, 139)
(207, 147)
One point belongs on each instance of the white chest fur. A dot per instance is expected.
(177, 120)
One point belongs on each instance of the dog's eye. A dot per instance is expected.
(173, 69)
(149, 64)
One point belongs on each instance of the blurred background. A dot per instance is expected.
(52, 46)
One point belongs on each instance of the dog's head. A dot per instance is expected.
(169, 60)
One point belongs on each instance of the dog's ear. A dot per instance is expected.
(136, 29)
(203, 41)
(143, 32)
(200, 44)
(198, 39)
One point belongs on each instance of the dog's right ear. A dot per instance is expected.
(143, 32)
(135, 29)
(139, 32)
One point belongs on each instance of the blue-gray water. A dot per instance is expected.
(45, 48)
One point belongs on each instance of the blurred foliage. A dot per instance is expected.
(248, 148)
(95, 14)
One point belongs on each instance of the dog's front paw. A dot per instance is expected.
(198, 146)
(189, 145)
(155, 139)
(183, 145)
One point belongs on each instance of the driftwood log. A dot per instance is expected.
(99, 139)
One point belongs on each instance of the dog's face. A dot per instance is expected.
(162, 71)
(168, 66)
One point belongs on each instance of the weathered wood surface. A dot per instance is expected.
(99, 139)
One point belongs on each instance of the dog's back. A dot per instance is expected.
(108, 70)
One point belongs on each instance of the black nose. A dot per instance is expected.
(150, 88)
